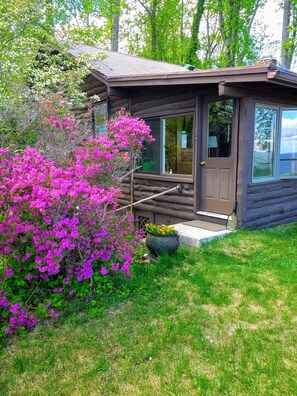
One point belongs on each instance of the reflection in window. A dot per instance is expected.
(288, 149)
(151, 151)
(177, 145)
(220, 115)
(100, 115)
(172, 150)
(265, 130)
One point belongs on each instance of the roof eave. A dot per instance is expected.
(203, 77)
(285, 78)
(196, 78)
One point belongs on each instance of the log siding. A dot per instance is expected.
(271, 203)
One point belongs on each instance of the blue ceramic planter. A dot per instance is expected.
(162, 244)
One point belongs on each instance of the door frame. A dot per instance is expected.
(202, 133)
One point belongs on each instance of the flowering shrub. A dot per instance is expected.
(160, 229)
(56, 112)
(59, 229)
(136, 131)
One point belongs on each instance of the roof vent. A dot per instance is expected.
(266, 61)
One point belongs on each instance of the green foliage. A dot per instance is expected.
(33, 63)
(203, 33)
(218, 320)
(159, 30)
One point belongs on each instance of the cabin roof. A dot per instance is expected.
(121, 70)
(116, 64)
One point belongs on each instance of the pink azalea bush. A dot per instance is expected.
(136, 131)
(55, 111)
(58, 225)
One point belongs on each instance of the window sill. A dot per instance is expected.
(173, 178)
(272, 181)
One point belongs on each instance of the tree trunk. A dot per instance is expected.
(152, 14)
(115, 25)
(154, 29)
(286, 59)
(194, 46)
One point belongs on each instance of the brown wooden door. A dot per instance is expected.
(218, 159)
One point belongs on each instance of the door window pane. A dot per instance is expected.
(178, 145)
(220, 115)
(150, 160)
(288, 148)
(265, 130)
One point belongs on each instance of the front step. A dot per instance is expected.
(211, 217)
(195, 237)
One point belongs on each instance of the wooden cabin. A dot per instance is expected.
(224, 135)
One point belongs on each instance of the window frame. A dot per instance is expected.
(162, 148)
(276, 144)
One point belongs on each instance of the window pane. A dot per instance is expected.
(220, 115)
(100, 116)
(288, 149)
(265, 129)
(178, 145)
(151, 151)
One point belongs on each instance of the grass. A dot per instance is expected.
(221, 320)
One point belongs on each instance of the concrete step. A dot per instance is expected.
(211, 217)
(195, 237)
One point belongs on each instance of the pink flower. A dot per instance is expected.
(103, 271)
(9, 272)
(52, 312)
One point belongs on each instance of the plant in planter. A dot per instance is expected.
(161, 239)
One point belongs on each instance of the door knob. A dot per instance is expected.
(202, 163)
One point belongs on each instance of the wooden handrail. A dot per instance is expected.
(178, 188)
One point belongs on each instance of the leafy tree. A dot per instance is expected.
(160, 29)
(205, 33)
(33, 63)
(233, 37)
(94, 22)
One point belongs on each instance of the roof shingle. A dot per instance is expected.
(116, 64)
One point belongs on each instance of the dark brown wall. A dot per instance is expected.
(245, 156)
(150, 101)
(169, 208)
(271, 203)
(261, 204)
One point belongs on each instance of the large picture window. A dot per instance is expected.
(172, 150)
(288, 147)
(275, 143)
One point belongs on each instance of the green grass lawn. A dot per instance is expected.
(221, 320)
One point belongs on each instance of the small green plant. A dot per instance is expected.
(162, 229)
